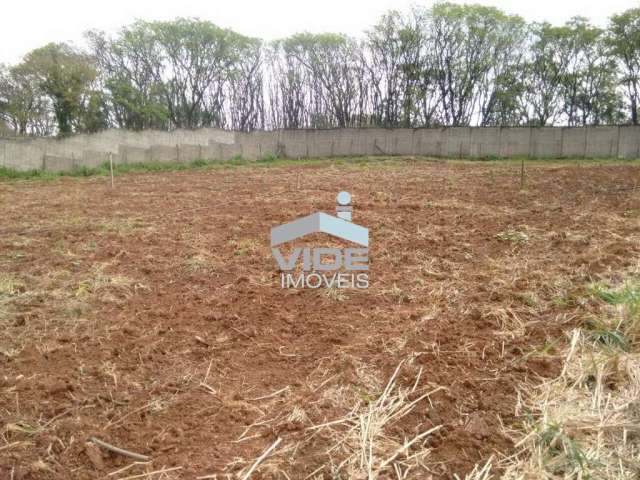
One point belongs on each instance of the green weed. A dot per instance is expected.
(562, 448)
(513, 236)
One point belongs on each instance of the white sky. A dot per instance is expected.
(28, 24)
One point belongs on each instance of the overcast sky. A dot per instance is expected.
(28, 24)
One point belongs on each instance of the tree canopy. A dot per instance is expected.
(446, 65)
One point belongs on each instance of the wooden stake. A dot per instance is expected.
(111, 167)
(522, 174)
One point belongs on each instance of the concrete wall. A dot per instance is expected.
(212, 144)
(92, 150)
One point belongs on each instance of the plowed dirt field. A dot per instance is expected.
(151, 317)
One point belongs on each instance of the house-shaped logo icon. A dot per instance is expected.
(339, 226)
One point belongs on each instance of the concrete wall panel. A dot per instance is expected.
(319, 144)
(53, 163)
(456, 142)
(345, 142)
(229, 151)
(629, 145)
(248, 145)
(364, 141)
(93, 158)
(574, 142)
(485, 142)
(21, 155)
(296, 143)
(602, 141)
(546, 142)
(400, 142)
(212, 152)
(128, 154)
(257, 145)
(427, 141)
(515, 142)
(378, 141)
(189, 153)
(163, 154)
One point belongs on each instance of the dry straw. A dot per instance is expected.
(363, 446)
(584, 424)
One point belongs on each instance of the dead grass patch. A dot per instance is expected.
(199, 264)
(10, 286)
(123, 226)
(106, 286)
(245, 246)
(586, 423)
(514, 236)
(363, 445)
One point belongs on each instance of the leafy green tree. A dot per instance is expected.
(334, 76)
(65, 75)
(395, 57)
(502, 88)
(95, 112)
(448, 64)
(570, 76)
(473, 46)
(624, 41)
(286, 86)
(196, 56)
(543, 72)
(589, 81)
(128, 66)
(22, 105)
(181, 74)
(245, 83)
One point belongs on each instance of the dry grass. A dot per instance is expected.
(10, 286)
(200, 264)
(108, 287)
(514, 236)
(368, 442)
(363, 443)
(37, 308)
(586, 422)
(480, 472)
(123, 226)
(336, 294)
(245, 246)
(398, 295)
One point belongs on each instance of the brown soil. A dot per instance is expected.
(151, 316)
